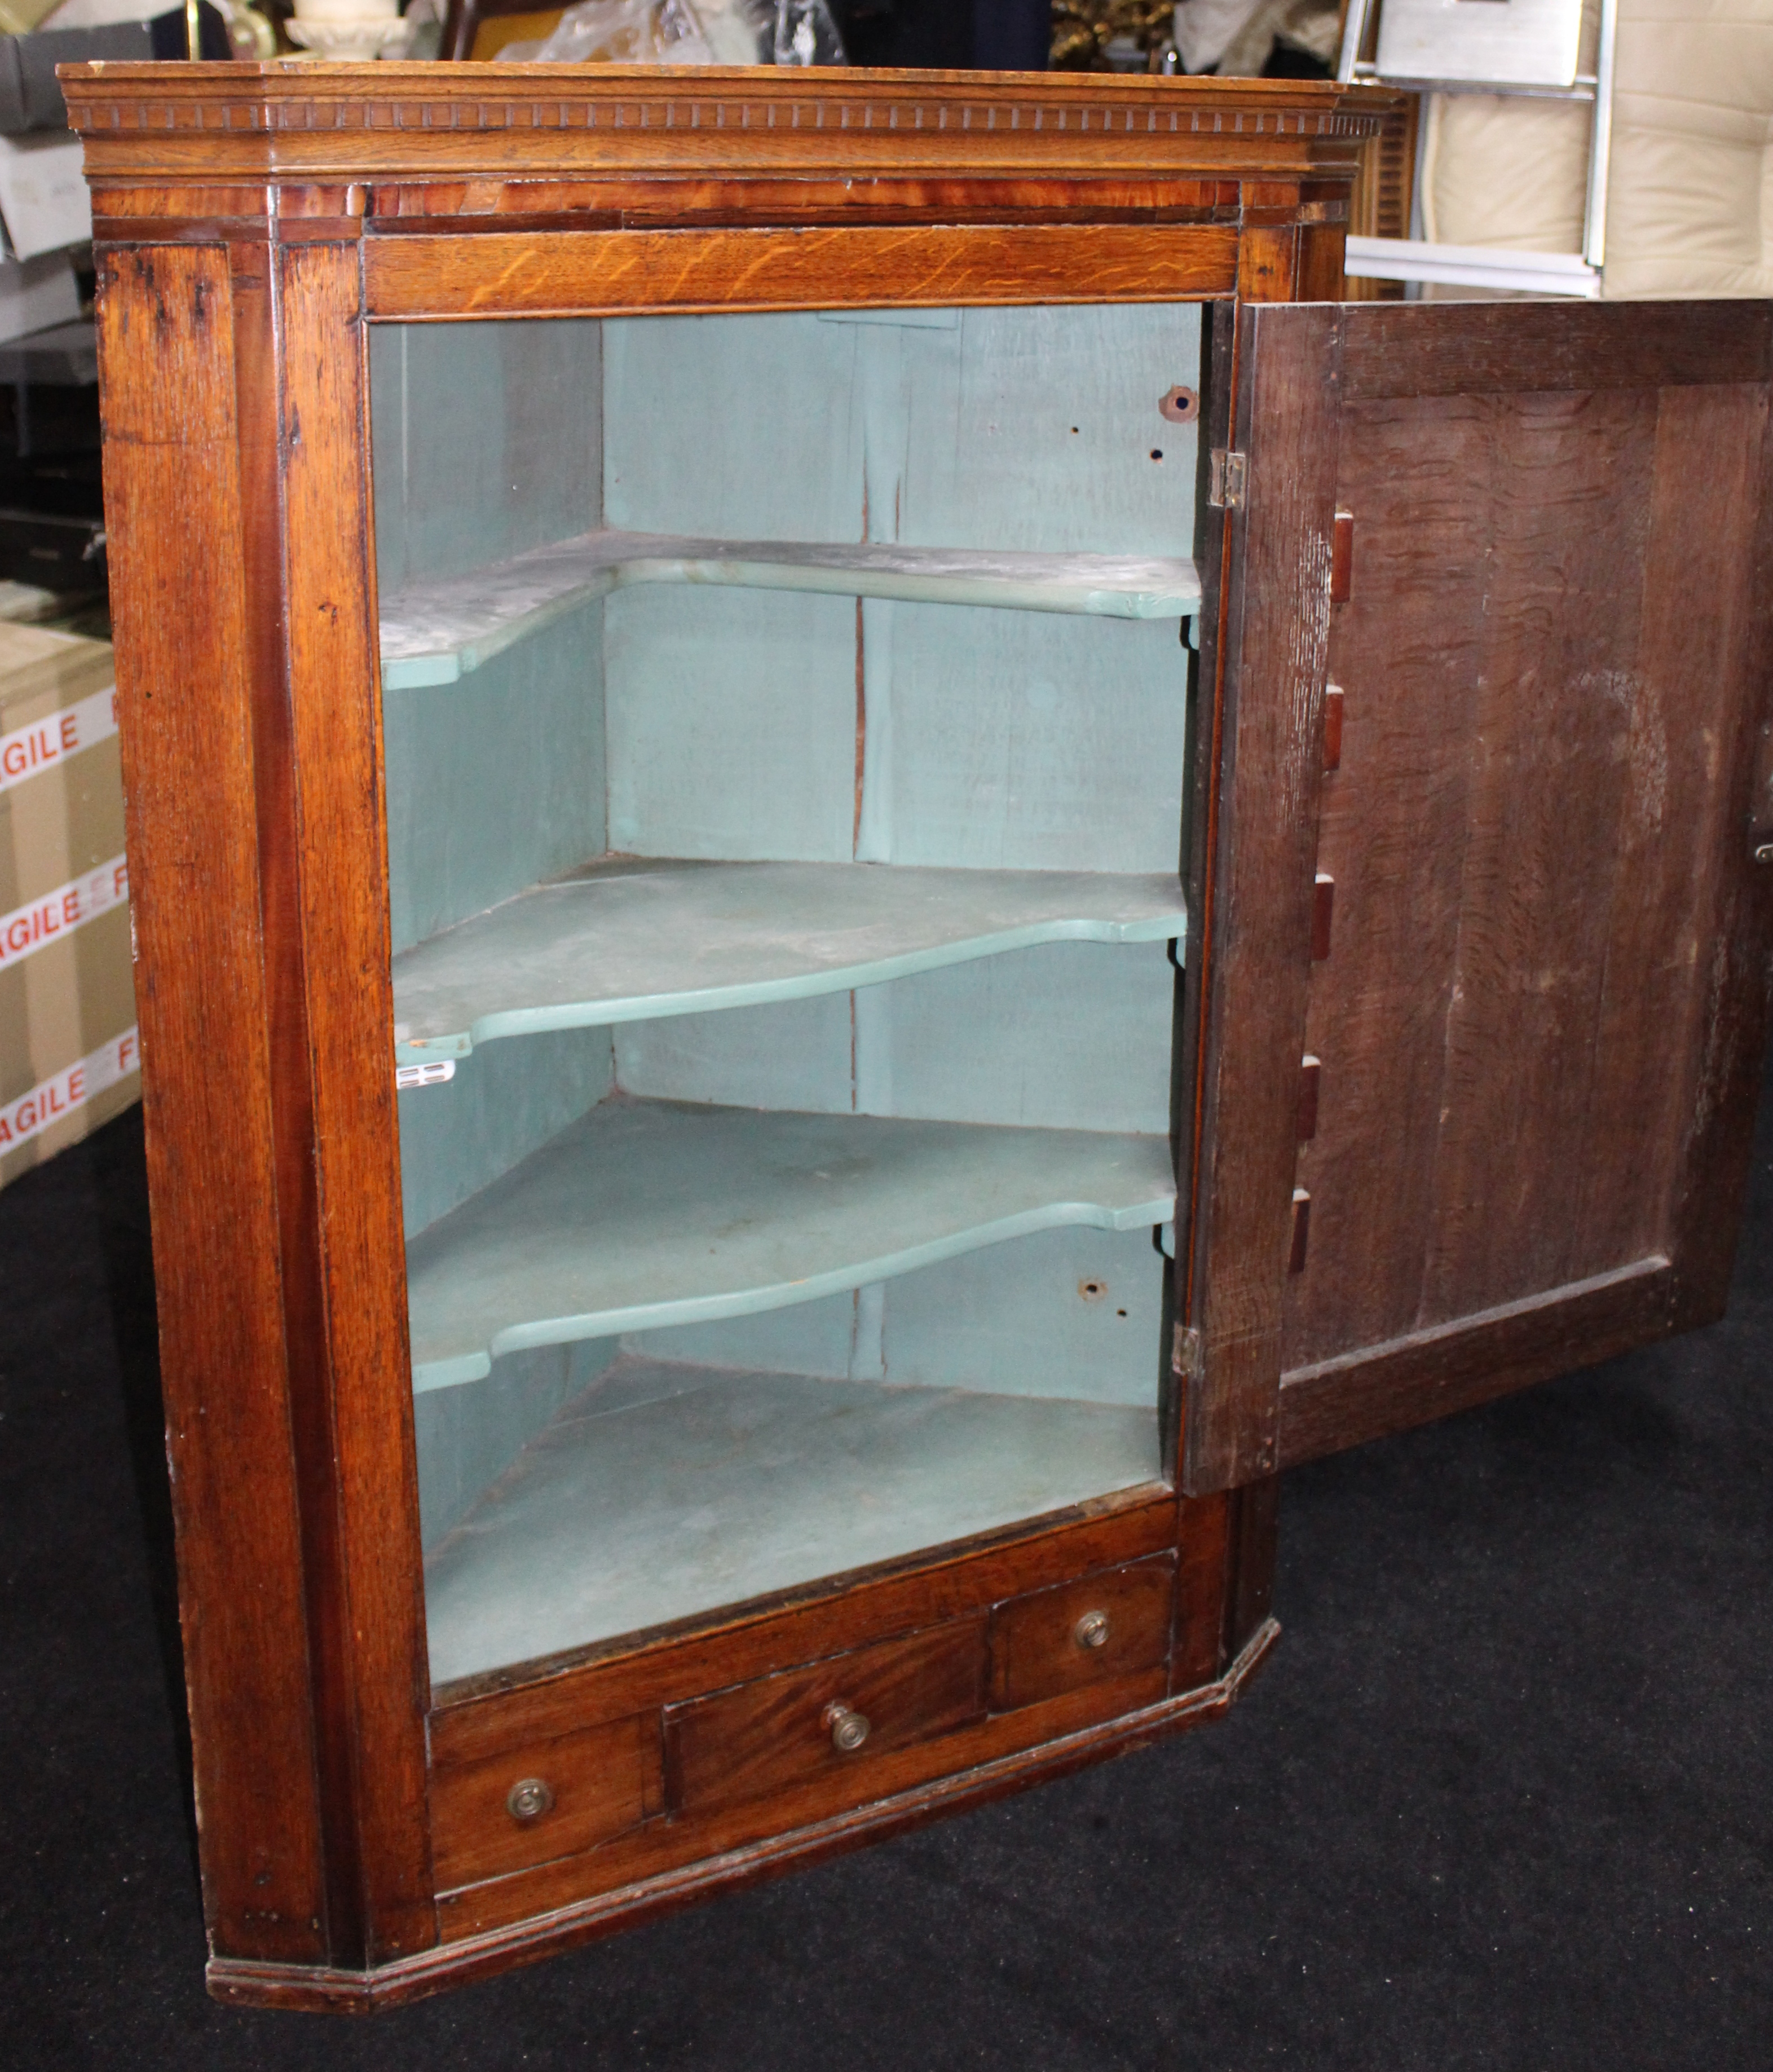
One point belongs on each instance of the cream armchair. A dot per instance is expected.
(1689, 182)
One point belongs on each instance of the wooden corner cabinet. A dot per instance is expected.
(867, 864)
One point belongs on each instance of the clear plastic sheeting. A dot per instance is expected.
(679, 32)
(806, 35)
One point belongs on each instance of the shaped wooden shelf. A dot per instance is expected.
(664, 1490)
(631, 939)
(436, 632)
(649, 1213)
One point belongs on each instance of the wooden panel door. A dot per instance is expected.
(1520, 1092)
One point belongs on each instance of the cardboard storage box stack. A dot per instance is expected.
(68, 1053)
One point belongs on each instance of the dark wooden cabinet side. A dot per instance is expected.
(185, 659)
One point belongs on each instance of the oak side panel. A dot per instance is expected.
(1322, 248)
(1568, 493)
(1405, 652)
(1668, 1017)
(1384, 1389)
(1264, 839)
(1551, 975)
(262, 558)
(1474, 348)
(342, 855)
(1710, 1179)
(183, 663)
(592, 273)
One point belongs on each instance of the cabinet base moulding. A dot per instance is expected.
(243, 1984)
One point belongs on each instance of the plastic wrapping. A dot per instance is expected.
(678, 32)
(806, 34)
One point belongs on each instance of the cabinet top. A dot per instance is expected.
(288, 121)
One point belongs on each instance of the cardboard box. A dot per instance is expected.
(69, 1057)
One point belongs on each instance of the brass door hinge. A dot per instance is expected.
(1227, 480)
(1188, 1357)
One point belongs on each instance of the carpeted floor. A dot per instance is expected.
(1502, 1798)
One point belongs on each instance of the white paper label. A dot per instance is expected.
(70, 1089)
(41, 921)
(432, 1075)
(28, 751)
(43, 195)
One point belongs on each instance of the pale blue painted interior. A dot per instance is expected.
(752, 725)
(661, 1492)
(648, 1213)
(1074, 1313)
(467, 1437)
(634, 939)
(503, 1103)
(501, 781)
(487, 440)
(959, 1045)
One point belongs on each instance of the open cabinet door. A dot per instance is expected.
(1487, 947)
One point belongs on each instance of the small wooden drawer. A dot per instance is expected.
(1112, 1624)
(831, 1716)
(555, 1798)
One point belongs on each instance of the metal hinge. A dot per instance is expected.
(1228, 480)
(1187, 1359)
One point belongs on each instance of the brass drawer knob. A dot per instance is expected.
(849, 1729)
(1092, 1630)
(529, 1797)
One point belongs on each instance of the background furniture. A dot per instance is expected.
(1535, 85)
(1474, 994)
(1657, 184)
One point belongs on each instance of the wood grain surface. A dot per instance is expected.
(1550, 953)
(599, 1783)
(1037, 1651)
(598, 272)
(259, 415)
(294, 204)
(230, 124)
(1384, 1389)
(770, 1736)
(1260, 932)
(1479, 349)
(539, 1931)
(174, 516)
(341, 854)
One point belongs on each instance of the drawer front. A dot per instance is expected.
(1110, 1624)
(551, 1800)
(833, 1716)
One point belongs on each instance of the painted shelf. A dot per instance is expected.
(437, 633)
(626, 940)
(665, 1490)
(648, 1212)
